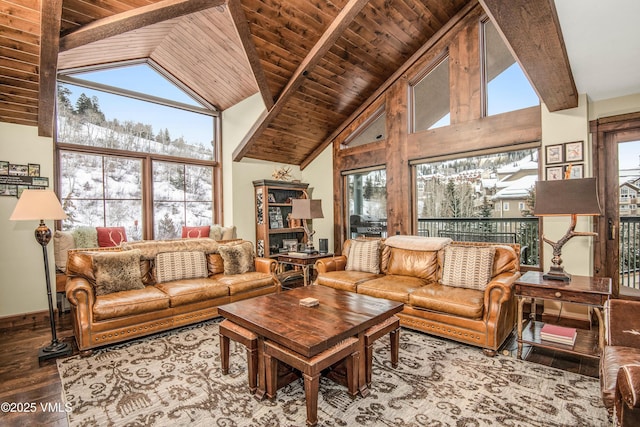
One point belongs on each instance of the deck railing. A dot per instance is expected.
(509, 230)
(630, 251)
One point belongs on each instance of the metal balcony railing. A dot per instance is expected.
(507, 230)
(630, 251)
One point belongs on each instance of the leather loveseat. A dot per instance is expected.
(620, 362)
(176, 283)
(412, 269)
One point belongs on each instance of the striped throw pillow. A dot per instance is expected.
(180, 265)
(364, 255)
(468, 266)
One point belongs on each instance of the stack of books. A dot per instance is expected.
(558, 334)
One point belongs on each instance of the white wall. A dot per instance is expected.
(22, 281)
(239, 203)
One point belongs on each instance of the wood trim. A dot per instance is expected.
(51, 14)
(315, 55)
(26, 319)
(132, 20)
(244, 33)
(444, 31)
(530, 28)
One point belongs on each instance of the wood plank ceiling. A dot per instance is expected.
(314, 63)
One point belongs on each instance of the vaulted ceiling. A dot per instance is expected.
(315, 64)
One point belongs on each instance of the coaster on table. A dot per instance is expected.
(309, 302)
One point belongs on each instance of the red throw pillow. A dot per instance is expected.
(194, 232)
(111, 236)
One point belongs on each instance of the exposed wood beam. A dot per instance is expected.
(132, 20)
(326, 41)
(51, 14)
(532, 31)
(242, 27)
(391, 80)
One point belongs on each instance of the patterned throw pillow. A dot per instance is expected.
(195, 232)
(180, 265)
(364, 255)
(117, 271)
(238, 258)
(111, 236)
(468, 266)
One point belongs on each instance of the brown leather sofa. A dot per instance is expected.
(99, 320)
(478, 317)
(620, 362)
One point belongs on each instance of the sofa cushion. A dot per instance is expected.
(218, 232)
(128, 303)
(611, 360)
(468, 266)
(408, 262)
(345, 280)
(238, 258)
(111, 236)
(215, 264)
(172, 266)
(85, 237)
(364, 255)
(392, 287)
(462, 302)
(186, 291)
(239, 283)
(195, 232)
(62, 242)
(116, 271)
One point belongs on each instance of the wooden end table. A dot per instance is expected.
(305, 261)
(583, 290)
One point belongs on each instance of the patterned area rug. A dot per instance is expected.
(174, 379)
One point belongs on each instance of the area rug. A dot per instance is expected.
(174, 379)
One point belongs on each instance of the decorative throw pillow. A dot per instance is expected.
(117, 271)
(85, 237)
(195, 232)
(467, 266)
(62, 242)
(238, 258)
(180, 265)
(364, 255)
(111, 236)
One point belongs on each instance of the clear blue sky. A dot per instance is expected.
(195, 128)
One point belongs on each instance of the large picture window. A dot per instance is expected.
(470, 199)
(134, 159)
(430, 101)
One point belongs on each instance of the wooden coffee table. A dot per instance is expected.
(310, 330)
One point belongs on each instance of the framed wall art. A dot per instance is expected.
(34, 169)
(18, 170)
(4, 168)
(576, 172)
(555, 154)
(554, 173)
(573, 152)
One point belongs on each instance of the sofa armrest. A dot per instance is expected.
(265, 265)
(628, 385)
(498, 296)
(335, 263)
(622, 322)
(81, 297)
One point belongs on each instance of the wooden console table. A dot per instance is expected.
(584, 290)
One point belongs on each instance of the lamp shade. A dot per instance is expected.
(38, 205)
(567, 197)
(306, 209)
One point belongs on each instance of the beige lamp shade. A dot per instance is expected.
(306, 209)
(567, 197)
(38, 205)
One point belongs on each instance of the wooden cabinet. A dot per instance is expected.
(273, 207)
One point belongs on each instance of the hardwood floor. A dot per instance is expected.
(30, 385)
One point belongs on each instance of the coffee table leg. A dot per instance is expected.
(224, 354)
(362, 374)
(311, 386)
(519, 323)
(262, 375)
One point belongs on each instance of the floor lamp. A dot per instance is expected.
(40, 205)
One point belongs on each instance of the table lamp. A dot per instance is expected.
(566, 197)
(305, 209)
(40, 205)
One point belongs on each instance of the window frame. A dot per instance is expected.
(147, 158)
